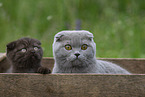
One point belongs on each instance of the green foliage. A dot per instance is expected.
(118, 25)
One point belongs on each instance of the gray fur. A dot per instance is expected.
(67, 62)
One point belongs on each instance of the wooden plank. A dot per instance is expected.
(71, 85)
(48, 62)
(134, 65)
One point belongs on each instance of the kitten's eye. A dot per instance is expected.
(23, 50)
(84, 47)
(36, 48)
(68, 47)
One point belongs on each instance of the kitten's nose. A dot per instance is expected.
(32, 51)
(77, 54)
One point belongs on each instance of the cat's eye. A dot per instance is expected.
(84, 47)
(36, 48)
(68, 47)
(23, 50)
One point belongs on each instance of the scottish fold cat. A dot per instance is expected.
(25, 55)
(75, 52)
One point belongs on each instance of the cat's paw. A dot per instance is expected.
(43, 70)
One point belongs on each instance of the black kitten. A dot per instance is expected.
(25, 55)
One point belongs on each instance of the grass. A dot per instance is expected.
(118, 25)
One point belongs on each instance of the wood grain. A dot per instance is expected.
(71, 85)
(134, 65)
(75, 85)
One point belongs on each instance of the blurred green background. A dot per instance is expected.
(118, 25)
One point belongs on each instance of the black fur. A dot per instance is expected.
(28, 61)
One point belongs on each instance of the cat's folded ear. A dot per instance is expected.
(38, 42)
(11, 45)
(58, 37)
(90, 36)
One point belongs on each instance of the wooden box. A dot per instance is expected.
(75, 85)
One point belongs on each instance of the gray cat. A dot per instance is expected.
(75, 52)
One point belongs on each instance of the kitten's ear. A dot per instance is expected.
(38, 42)
(58, 37)
(11, 45)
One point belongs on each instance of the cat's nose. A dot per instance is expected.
(76, 54)
(32, 51)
